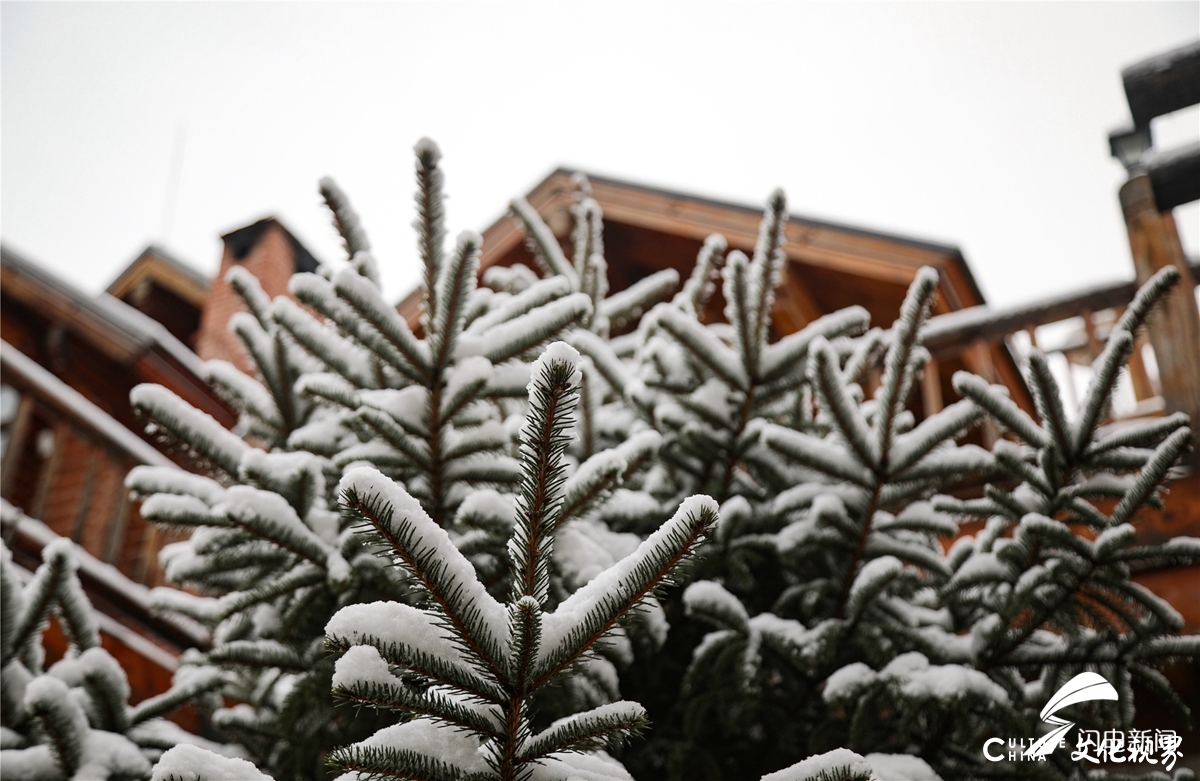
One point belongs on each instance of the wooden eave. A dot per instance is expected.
(865, 253)
(117, 331)
(828, 265)
(154, 265)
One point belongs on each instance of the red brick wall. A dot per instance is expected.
(272, 260)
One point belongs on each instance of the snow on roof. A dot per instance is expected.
(73, 403)
(135, 327)
(154, 254)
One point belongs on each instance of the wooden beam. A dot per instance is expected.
(1174, 325)
(947, 333)
(1175, 176)
(1163, 83)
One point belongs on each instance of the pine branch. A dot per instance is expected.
(1152, 475)
(606, 727)
(184, 689)
(1106, 372)
(58, 720)
(767, 270)
(627, 305)
(521, 334)
(188, 426)
(1145, 299)
(1049, 403)
(318, 339)
(592, 611)
(345, 219)
(553, 393)
(827, 381)
(430, 223)
(373, 322)
(540, 293)
(543, 244)
(703, 346)
(738, 303)
(12, 605)
(701, 284)
(426, 552)
(994, 399)
(454, 287)
(905, 339)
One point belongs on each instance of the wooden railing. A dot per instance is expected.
(65, 462)
(1071, 330)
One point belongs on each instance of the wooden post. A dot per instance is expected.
(1174, 326)
(931, 388)
(979, 361)
(16, 444)
(1143, 388)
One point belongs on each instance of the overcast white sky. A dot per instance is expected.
(982, 125)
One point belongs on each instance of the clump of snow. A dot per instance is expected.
(654, 620)
(516, 335)
(847, 682)
(109, 755)
(901, 767)
(422, 736)
(191, 424)
(28, 764)
(362, 664)
(468, 371)
(829, 763)
(268, 513)
(711, 597)
(427, 148)
(186, 762)
(392, 622)
(408, 406)
(146, 480)
(586, 548)
(596, 766)
(487, 506)
(368, 482)
(557, 352)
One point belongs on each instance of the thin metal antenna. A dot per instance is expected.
(172, 194)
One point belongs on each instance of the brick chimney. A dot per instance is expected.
(272, 254)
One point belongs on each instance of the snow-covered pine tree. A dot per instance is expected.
(1044, 592)
(73, 720)
(437, 411)
(822, 524)
(926, 655)
(443, 422)
(469, 667)
(267, 557)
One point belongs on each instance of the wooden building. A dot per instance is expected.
(68, 361)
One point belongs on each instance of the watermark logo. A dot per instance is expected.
(1091, 745)
(1085, 687)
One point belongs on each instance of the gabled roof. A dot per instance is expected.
(119, 330)
(142, 347)
(157, 265)
(829, 266)
(650, 228)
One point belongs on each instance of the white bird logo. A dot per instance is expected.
(1084, 687)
